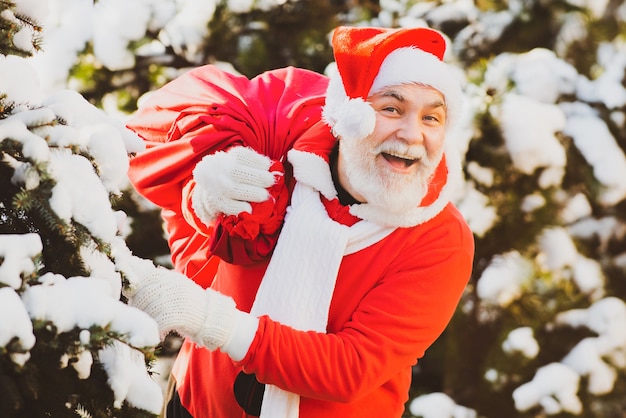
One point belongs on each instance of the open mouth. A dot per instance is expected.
(399, 162)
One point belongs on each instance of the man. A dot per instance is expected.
(317, 216)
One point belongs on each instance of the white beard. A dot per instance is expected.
(391, 191)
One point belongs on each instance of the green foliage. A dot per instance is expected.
(146, 239)
(292, 34)
(10, 24)
(48, 385)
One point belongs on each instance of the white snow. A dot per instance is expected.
(588, 276)
(74, 175)
(483, 175)
(597, 7)
(557, 249)
(477, 211)
(577, 207)
(186, 31)
(521, 340)
(439, 405)
(532, 202)
(129, 379)
(605, 229)
(608, 87)
(34, 146)
(20, 325)
(79, 195)
(81, 362)
(540, 75)
(531, 139)
(554, 387)
(36, 9)
(86, 301)
(606, 317)
(82, 115)
(118, 22)
(594, 140)
(17, 253)
(501, 282)
(68, 26)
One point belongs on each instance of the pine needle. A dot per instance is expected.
(82, 412)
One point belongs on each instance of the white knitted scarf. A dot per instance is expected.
(299, 282)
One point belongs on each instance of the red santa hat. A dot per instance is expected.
(369, 59)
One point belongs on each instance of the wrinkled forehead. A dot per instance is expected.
(412, 91)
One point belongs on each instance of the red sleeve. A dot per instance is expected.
(207, 110)
(394, 323)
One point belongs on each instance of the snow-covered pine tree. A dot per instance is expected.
(19, 33)
(68, 346)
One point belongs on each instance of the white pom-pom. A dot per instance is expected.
(355, 119)
(348, 117)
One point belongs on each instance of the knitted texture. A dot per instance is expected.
(227, 181)
(218, 323)
(178, 304)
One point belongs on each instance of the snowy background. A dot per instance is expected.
(546, 109)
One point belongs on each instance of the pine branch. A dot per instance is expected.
(6, 5)
(36, 205)
(27, 20)
(82, 412)
(11, 23)
(6, 106)
(84, 238)
(13, 148)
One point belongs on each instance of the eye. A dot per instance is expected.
(435, 118)
(390, 109)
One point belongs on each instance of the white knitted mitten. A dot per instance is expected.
(228, 180)
(178, 304)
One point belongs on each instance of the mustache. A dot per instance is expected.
(405, 151)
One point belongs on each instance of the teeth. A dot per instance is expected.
(407, 161)
(403, 157)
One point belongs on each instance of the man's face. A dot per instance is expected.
(391, 167)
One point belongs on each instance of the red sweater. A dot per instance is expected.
(391, 301)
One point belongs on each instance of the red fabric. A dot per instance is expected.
(360, 51)
(436, 183)
(201, 112)
(391, 301)
(317, 140)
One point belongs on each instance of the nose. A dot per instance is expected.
(411, 130)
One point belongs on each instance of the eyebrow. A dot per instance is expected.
(398, 96)
(393, 93)
(437, 103)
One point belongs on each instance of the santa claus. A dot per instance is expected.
(317, 250)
